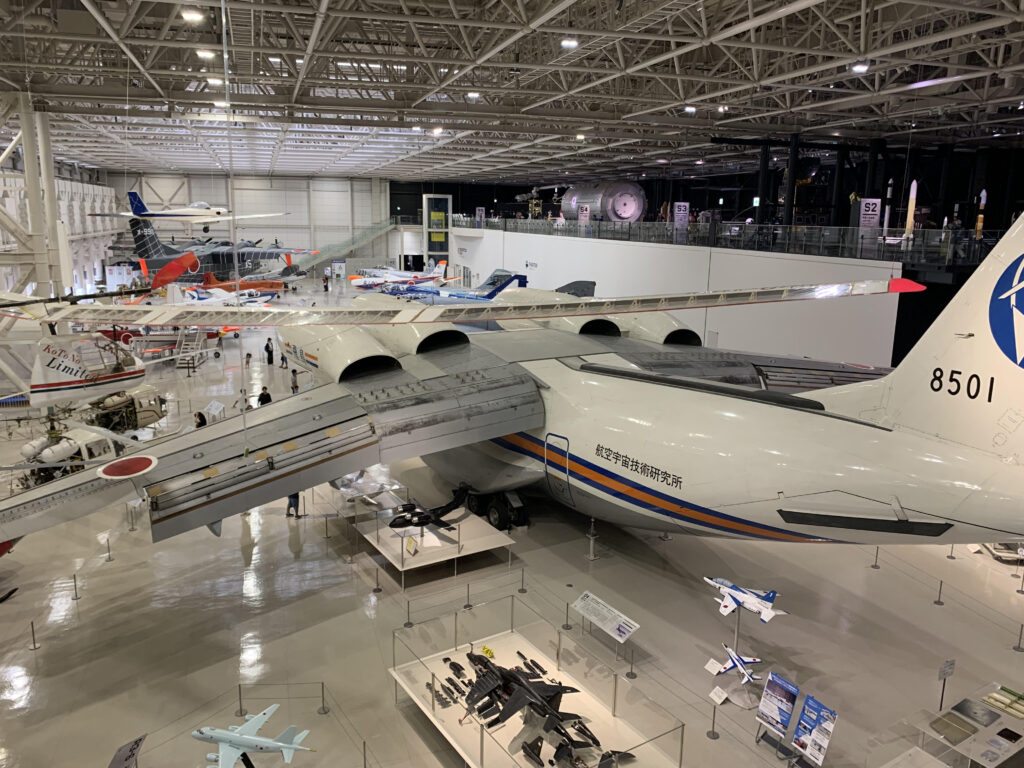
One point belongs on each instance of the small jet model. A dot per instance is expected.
(739, 662)
(246, 283)
(219, 297)
(412, 515)
(761, 603)
(194, 213)
(375, 278)
(432, 295)
(242, 738)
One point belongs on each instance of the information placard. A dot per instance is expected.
(777, 702)
(681, 214)
(481, 213)
(611, 620)
(870, 211)
(814, 730)
(583, 213)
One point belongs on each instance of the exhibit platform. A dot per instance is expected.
(615, 711)
(416, 547)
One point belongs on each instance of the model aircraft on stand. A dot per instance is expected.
(239, 739)
(761, 603)
(411, 515)
(643, 431)
(200, 213)
(738, 662)
(375, 278)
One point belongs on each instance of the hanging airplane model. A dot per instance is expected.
(761, 603)
(194, 213)
(649, 434)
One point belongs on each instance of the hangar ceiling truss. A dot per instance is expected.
(485, 89)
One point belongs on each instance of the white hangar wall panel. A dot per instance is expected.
(858, 330)
(321, 210)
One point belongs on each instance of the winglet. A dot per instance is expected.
(904, 285)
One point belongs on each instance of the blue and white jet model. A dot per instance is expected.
(242, 738)
(761, 603)
(739, 662)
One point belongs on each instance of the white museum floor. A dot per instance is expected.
(164, 633)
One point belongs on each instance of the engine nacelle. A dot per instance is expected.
(341, 354)
(212, 757)
(408, 338)
(657, 327)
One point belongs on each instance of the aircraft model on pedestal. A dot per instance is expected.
(739, 662)
(761, 603)
(194, 213)
(414, 516)
(242, 738)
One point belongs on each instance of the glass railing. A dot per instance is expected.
(939, 247)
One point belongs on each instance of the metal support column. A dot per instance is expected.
(762, 186)
(875, 147)
(838, 186)
(51, 211)
(33, 195)
(794, 159)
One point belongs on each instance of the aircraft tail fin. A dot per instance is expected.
(288, 754)
(288, 735)
(962, 381)
(439, 269)
(138, 207)
(770, 595)
(208, 279)
(187, 262)
(147, 244)
(520, 280)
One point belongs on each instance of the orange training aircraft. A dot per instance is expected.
(209, 281)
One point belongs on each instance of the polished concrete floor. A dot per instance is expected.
(164, 634)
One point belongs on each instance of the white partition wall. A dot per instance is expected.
(858, 330)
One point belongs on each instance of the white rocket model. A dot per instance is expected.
(908, 232)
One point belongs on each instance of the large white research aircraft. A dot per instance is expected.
(194, 213)
(628, 430)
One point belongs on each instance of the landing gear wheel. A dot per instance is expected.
(473, 504)
(520, 517)
(216, 354)
(497, 515)
(235, 335)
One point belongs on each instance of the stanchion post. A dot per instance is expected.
(32, 628)
(324, 709)
(1019, 647)
(241, 710)
(455, 630)
(631, 674)
(74, 581)
(875, 564)
(364, 755)
(713, 734)
(468, 606)
(408, 615)
(1020, 589)
(376, 576)
(109, 556)
(938, 600)
(522, 581)
(327, 533)
(131, 519)
(567, 626)
(950, 556)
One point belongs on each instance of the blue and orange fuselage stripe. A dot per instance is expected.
(640, 495)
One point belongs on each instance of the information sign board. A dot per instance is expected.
(777, 703)
(127, 756)
(814, 730)
(583, 213)
(481, 213)
(681, 214)
(946, 670)
(611, 620)
(870, 212)
(718, 695)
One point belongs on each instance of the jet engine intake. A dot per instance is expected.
(657, 327)
(343, 353)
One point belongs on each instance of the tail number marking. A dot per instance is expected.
(955, 384)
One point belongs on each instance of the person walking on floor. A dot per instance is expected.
(248, 359)
(269, 349)
(284, 360)
(293, 504)
(295, 381)
(264, 397)
(326, 286)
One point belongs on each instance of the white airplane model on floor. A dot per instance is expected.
(620, 432)
(194, 213)
(374, 278)
(761, 603)
(739, 662)
(243, 738)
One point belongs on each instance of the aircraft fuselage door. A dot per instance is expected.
(556, 468)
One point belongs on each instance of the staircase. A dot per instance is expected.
(190, 348)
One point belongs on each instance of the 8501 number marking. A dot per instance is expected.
(955, 384)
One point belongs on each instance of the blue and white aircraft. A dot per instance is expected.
(194, 213)
(498, 281)
(243, 738)
(739, 662)
(755, 601)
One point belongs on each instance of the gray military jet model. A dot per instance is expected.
(500, 693)
(412, 515)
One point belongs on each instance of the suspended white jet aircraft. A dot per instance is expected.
(194, 213)
(243, 738)
(739, 662)
(761, 603)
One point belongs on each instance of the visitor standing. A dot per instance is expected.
(264, 397)
(269, 349)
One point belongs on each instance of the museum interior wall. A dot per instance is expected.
(858, 331)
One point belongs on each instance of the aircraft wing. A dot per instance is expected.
(519, 699)
(726, 667)
(228, 756)
(728, 604)
(482, 686)
(415, 313)
(228, 217)
(252, 726)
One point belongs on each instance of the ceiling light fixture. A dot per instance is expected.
(569, 42)
(580, 137)
(689, 109)
(473, 95)
(662, 160)
(860, 67)
(214, 81)
(437, 131)
(418, 128)
(300, 62)
(220, 104)
(192, 16)
(275, 59)
(700, 161)
(723, 108)
(204, 54)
